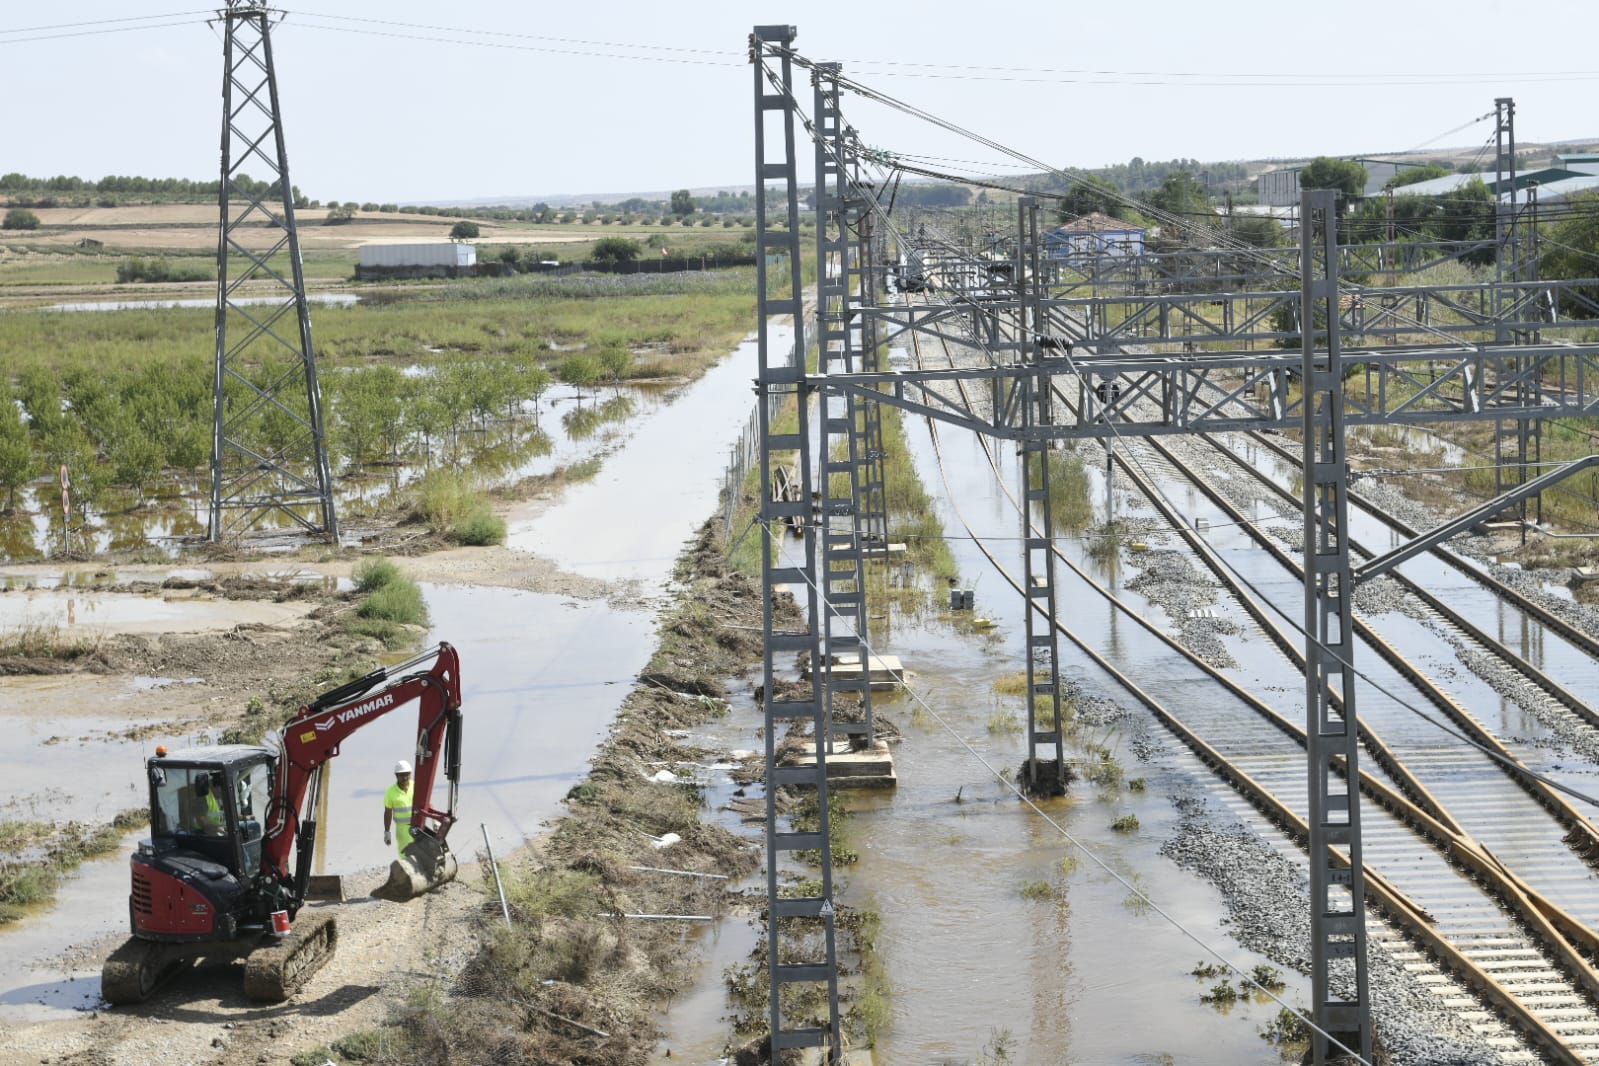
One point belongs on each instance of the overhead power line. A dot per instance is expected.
(107, 22)
(107, 28)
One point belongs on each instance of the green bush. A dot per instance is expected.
(22, 887)
(481, 526)
(136, 270)
(452, 508)
(441, 497)
(616, 250)
(20, 218)
(399, 601)
(372, 574)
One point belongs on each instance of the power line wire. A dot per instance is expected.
(101, 32)
(106, 22)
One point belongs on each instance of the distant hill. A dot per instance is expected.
(1531, 155)
(583, 199)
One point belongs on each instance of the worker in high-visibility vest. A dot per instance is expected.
(209, 819)
(397, 807)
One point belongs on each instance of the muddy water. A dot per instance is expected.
(630, 521)
(1075, 970)
(543, 676)
(85, 612)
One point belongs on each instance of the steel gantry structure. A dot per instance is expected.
(1062, 366)
(268, 446)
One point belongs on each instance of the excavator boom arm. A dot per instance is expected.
(313, 737)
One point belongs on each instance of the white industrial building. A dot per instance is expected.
(435, 259)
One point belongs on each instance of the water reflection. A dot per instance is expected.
(581, 422)
(175, 509)
(327, 299)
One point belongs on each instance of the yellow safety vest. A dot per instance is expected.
(398, 800)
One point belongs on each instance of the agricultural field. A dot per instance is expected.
(76, 249)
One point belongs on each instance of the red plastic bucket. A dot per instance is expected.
(280, 923)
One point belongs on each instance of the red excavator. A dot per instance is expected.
(232, 830)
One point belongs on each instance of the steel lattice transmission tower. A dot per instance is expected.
(268, 448)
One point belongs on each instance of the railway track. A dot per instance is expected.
(1525, 957)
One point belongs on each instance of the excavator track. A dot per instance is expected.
(277, 969)
(137, 968)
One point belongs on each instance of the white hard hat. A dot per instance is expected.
(402, 767)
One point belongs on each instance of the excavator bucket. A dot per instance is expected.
(425, 864)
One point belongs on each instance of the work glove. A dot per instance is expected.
(388, 837)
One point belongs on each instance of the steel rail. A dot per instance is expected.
(1581, 638)
(1556, 931)
(1554, 689)
(1403, 911)
(1582, 834)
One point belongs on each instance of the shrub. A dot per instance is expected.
(400, 601)
(1127, 823)
(452, 508)
(616, 250)
(20, 218)
(481, 526)
(1268, 977)
(579, 371)
(1287, 1030)
(372, 574)
(464, 231)
(441, 499)
(158, 269)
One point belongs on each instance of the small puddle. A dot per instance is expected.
(87, 612)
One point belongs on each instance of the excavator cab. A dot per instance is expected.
(204, 851)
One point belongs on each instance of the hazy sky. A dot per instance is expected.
(481, 98)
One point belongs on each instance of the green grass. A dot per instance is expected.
(1003, 722)
(392, 605)
(399, 602)
(671, 319)
(374, 573)
(910, 509)
(447, 501)
(1038, 890)
(46, 642)
(35, 857)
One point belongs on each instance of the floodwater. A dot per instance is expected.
(562, 428)
(85, 612)
(1568, 664)
(542, 676)
(328, 299)
(628, 521)
(1075, 971)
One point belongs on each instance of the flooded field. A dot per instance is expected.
(542, 677)
(1000, 927)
